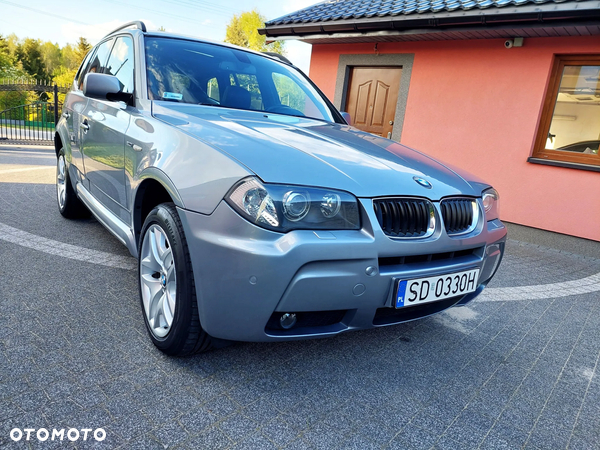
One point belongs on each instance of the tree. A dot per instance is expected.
(63, 77)
(82, 49)
(6, 61)
(9, 70)
(242, 30)
(51, 56)
(235, 34)
(12, 41)
(29, 53)
(69, 58)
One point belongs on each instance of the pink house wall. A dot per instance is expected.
(476, 105)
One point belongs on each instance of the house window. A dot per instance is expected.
(570, 126)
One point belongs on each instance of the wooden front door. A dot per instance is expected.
(372, 97)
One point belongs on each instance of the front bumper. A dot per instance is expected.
(334, 281)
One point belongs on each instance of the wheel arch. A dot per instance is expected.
(58, 142)
(155, 188)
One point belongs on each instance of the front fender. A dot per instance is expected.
(196, 174)
(158, 175)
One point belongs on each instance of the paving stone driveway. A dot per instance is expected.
(74, 354)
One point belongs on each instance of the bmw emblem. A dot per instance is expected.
(423, 182)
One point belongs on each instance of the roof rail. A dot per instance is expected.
(136, 23)
(279, 57)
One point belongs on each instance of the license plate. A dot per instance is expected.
(431, 289)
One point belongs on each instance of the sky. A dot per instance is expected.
(64, 21)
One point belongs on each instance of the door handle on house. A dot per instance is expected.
(84, 126)
(391, 122)
(137, 148)
(389, 134)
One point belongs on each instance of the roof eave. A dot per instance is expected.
(563, 28)
(553, 12)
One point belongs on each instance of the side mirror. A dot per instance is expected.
(347, 118)
(104, 87)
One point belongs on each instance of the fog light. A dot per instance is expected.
(287, 321)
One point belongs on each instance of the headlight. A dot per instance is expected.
(296, 205)
(490, 199)
(283, 208)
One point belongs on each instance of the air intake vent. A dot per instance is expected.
(405, 217)
(460, 215)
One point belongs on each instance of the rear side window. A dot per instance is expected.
(120, 64)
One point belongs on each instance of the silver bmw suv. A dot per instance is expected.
(257, 213)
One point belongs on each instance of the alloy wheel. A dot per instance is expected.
(60, 181)
(158, 280)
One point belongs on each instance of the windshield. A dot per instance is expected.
(207, 74)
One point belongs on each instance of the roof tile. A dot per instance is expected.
(332, 10)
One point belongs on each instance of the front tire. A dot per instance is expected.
(167, 289)
(68, 203)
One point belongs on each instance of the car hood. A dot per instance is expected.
(300, 151)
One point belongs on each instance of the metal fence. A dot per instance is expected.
(33, 122)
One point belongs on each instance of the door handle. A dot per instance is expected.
(137, 148)
(66, 115)
(389, 134)
(84, 126)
